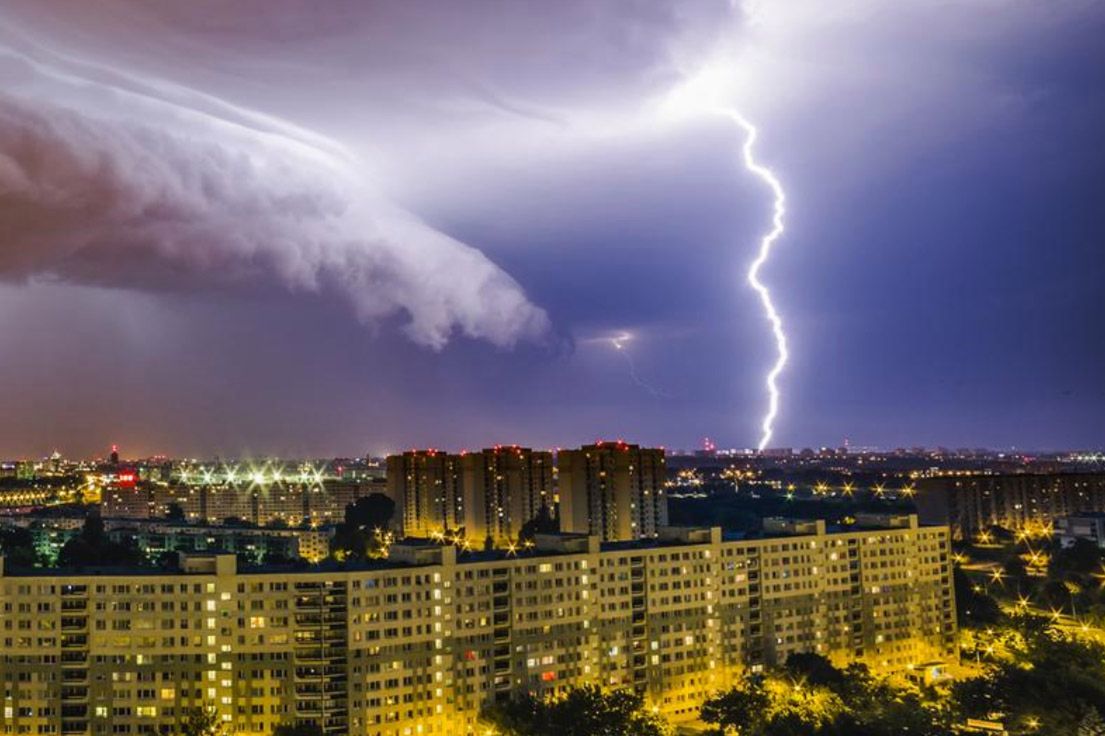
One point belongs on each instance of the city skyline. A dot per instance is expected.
(378, 228)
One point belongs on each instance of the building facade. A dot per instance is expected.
(504, 487)
(1088, 527)
(291, 503)
(419, 644)
(613, 490)
(425, 485)
(156, 538)
(972, 504)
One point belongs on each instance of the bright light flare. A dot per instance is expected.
(706, 92)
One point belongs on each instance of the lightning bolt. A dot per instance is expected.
(619, 343)
(767, 242)
(705, 92)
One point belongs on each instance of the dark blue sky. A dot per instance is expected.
(186, 272)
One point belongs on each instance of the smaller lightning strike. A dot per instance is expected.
(619, 343)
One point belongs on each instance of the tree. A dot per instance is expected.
(1091, 724)
(94, 547)
(543, 523)
(972, 606)
(814, 669)
(349, 543)
(743, 709)
(175, 512)
(373, 511)
(1014, 567)
(18, 546)
(1050, 676)
(201, 722)
(583, 711)
(298, 729)
(814, 698)
(1081, 558)
(361, 534)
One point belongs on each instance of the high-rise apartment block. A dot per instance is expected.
(504, 487)
(419, 644)
(971, 504)
(425, 485)
(612, 490)
(292, 503)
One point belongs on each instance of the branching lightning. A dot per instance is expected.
(619, 343)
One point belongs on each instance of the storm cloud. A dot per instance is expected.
(112, 180)
(196, 198)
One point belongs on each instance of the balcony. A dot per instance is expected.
(74, 624)
(74, 641)
(74, 659)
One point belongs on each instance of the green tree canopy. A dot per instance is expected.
(543, 523)
(18, 546)
(200, 722)
(1050, 677)
(93, 547)
(973, 607)
(582, 711)
(811, 697)
(373, 511)
(361, 534)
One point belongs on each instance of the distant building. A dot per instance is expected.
(425, 485)
(156, 537)
(612, 490)
(970, 504)
(503, 488)
(293, 504)
(1088, 526)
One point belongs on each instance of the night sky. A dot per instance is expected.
(280, 226)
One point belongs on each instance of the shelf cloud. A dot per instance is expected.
(114, 180)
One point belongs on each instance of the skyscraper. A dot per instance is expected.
(503, 488)
(612, 490)
(425, 485)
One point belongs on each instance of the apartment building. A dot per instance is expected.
(426, 488)
(613, 490)
(504, 487)
(418, 644)
(291, 503)
(157, 537)
(972, 504)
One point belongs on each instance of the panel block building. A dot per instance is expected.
(504, 487)
(612, 490)
(425, 485)
(1034, 501)
(419, 644)
(293, 503)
